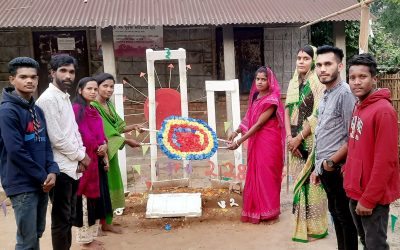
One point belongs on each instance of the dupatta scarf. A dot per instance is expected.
(113, 127)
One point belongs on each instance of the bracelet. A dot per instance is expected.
(237, 144)
(302, 136)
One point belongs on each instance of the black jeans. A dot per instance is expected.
(372, 229)
(338, 205)
(63, 198)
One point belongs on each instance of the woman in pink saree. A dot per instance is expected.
(264, 128)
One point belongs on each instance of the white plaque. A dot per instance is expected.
(66, 43)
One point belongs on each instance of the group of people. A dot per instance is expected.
(342, 149)
(51, 148)
(341, 142)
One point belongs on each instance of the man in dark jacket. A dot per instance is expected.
(27, 169)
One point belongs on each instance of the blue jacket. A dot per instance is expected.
(25, 161)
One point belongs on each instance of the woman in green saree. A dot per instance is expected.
(303, 95)
(114, 126)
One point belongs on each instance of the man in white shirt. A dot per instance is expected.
(68, 149)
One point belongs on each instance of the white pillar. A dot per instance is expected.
(235, 101)
(107, 44)
(119, 108)
(151, 57)
(339, 38)
(231, 87)
(152, 114)
(229, 65)
(212, 121)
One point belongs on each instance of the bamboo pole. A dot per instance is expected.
(364, 29)
(366, 2)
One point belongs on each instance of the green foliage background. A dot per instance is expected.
(385, 45)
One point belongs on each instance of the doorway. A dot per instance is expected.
(49, 43)
(249, 55)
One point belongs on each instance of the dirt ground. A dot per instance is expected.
(217, 228)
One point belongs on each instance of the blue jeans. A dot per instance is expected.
(30, 215)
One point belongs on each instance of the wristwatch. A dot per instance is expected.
(330, 163)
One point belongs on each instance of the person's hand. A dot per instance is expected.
(363, 211)
(107, 167)
(314, 179)
(102, 150)
(132, 143)
(291, 146)
(83, 164)
(138, 128)
(232, 136)
(326, 167)
(234, 145)
(49, 183)
(293, 143)
(86, 161)
(81, 168)
(297, 153)
(106, 163)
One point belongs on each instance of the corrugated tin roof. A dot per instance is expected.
(103, 13)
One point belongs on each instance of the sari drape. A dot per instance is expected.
(310, 206)
(261, 194)
(310, 202)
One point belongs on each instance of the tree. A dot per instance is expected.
(385, 45)
(388, 12)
